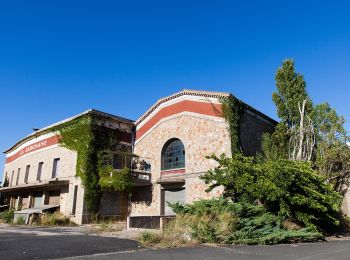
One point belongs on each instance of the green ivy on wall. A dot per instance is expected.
(90, 139)
(232, 111)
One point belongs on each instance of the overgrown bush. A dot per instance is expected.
(289, 189)
(221, 221)
(7, 216)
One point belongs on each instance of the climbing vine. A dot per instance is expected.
(232, 111)
(90, 139)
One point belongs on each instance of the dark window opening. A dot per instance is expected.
(55, 167)
(75, 199)
(40, 168)
(26, 174)
(18, 173)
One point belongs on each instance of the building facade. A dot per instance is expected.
(39, 171)
(172, 139)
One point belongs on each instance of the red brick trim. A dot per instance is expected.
(203, 108)
(175, 171)
(34, 147)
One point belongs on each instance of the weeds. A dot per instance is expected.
(7, 216)
(55, 219)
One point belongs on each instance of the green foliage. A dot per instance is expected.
(275, 145)
(221, 221)
(90, 139)
(232, 110)
(79, 136)
(332, 153)
(119, 180)
(7, 216)
(291, 91)
(20, 221)
(288, 188)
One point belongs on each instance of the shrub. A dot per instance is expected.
(7, 216)
(222, 221)
(290, 189)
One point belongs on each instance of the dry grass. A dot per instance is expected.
(179, 232)
(55, 219)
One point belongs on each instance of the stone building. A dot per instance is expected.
(176, 135)
(172, 139)
(41, 174)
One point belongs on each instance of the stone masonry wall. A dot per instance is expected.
(201, 136)
(252, 128)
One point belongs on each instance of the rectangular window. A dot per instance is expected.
(55, 167)
(26, 174)
(38, 174)
(13, 173)
(75, 199)
(18, 172)
(6, 181)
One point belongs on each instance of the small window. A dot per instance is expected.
(38, 174)
(26, 174)
(55, 167)
(18, 173)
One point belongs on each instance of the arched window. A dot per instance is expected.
(173, 155)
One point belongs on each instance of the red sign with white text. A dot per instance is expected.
(34, 147)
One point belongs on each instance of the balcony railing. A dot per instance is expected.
(141, 170)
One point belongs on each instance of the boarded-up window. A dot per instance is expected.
(54, 197)
(25, 202)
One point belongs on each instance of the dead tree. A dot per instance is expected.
(302, 140)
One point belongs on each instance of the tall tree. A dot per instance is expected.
(294, 108)
(291, 93)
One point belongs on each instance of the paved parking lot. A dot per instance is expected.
(76, 243)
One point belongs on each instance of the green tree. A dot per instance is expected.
(291, 92)
(332, 153)
(275, 146)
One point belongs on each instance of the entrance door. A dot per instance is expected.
(172, 196)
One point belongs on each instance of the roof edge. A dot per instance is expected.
(44, 129)
(183, 92)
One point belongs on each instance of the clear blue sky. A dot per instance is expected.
(59, 58)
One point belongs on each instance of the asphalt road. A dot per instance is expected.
(74, 243)
(53, 243)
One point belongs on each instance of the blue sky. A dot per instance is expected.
(59, 58)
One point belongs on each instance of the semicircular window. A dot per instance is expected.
(173, 155)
